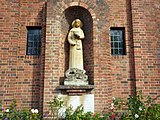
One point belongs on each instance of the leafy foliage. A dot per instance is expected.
(55, 105)
(12, 113)
(79, 114)
(153, 112)
(138, 108)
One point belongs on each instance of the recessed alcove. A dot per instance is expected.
(70, 14)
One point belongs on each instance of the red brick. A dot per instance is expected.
(32, 80)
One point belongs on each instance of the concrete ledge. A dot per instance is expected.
(75, 90)
(75, 87)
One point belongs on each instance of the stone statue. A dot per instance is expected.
(75, 37)
(75, 75)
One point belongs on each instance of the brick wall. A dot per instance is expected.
(111, 75)
(145, 15)
(32, 80)
(122, 67)
(29, 76)
(98, 62)
(20, 74)
(9, 33)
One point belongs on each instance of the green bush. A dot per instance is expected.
(79, 114)
(12, 113)
(55, 105)
(153, 112)
(138, 108)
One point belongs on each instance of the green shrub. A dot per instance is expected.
(55, 105)
(153, 112)
(12, 113)
(79, 114)
(138, 108)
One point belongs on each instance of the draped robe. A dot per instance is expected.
(76, 49)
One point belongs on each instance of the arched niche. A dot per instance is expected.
(77, 12)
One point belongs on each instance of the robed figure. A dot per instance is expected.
(75, 38)
(75, 75)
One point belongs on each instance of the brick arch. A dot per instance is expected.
(89, 6)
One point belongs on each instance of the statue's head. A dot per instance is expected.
(77, 23)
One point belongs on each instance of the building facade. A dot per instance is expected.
(121, 49)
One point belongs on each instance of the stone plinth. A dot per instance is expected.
(78, 95)
(76, 90)
(75, 82)
(86, 100)
(75, 76)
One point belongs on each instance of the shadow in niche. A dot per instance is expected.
(131, 48)
(36, 64)
(77, 12)
(39, 64)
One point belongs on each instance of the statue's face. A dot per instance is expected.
(77, 23)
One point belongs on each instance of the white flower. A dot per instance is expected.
(7, 110)
(36, 111)
(140, 109)
(113, 98)
(112, 104)
(112, 108)
(32, 110)
(136, 116)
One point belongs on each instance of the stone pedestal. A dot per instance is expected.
(76, 90)
(75, 76)
(86, 100)
(78, 95)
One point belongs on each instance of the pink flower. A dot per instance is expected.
(94, 115)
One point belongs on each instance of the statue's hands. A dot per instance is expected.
(73, 44)
(77, 36)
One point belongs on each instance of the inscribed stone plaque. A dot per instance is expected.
(87, 100)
